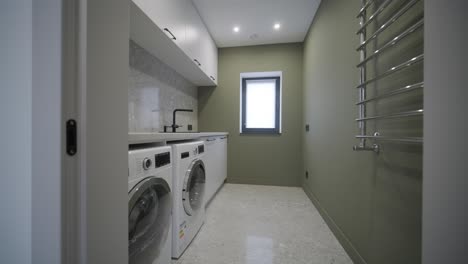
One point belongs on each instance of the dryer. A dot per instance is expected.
(189, 194)
(150, 206)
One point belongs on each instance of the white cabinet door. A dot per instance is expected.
(221, 146)
(215, 164)
(210, 167)
(168, 15)
(200, 47)
(211, 55)
(194, 32)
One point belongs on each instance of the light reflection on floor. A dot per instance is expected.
(259, 250)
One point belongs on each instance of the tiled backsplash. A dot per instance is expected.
(154, 91)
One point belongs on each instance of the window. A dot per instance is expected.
(260, 106)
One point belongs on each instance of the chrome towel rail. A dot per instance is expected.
(393, 41)
(394, 69)
(364, 7)
(374, 16)
(362, 87)
(362, 73)
(418, 112)
(389, 22)
(394, 139)
(405, 89)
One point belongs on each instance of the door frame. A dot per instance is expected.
(95, 95)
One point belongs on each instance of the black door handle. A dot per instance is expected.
(173, 37)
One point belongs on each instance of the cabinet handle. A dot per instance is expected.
(173, 37)
(212, 78)
(223, 137)
(195, 60)
(209, 140)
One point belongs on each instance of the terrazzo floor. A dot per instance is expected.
(252, 224)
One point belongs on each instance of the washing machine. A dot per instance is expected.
(189, 194)
(150, 205)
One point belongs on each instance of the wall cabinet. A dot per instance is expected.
(168, 16)
(201, 47)
(215, 164)
(174, 32)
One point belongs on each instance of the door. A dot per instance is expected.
(149, 216)
(31, 111)
(193, 192)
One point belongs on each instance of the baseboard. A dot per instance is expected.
(339, 234)
(261, 181)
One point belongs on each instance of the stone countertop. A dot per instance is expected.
(142, 138)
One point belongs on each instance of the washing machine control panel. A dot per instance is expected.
(162, 159)
(148, 162)
(201, 149)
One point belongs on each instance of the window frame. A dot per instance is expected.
(276, 129)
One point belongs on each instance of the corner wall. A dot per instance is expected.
(371, 202)
(257, 159)
(445, 199)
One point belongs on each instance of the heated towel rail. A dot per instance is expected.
(372, 142)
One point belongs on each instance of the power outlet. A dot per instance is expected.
(307, 127)
(189, 127)
(307, 175)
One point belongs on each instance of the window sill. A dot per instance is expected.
(266, 133)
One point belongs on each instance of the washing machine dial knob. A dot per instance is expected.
(147, 163)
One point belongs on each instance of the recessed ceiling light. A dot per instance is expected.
(236, 29)
(277, 26)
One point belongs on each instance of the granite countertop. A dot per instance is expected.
(142, 138)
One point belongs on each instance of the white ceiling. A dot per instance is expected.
(255, 19)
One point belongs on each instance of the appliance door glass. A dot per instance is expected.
(194, 187)
(149, 212)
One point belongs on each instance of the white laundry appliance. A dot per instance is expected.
(189, 194)
(150, 205)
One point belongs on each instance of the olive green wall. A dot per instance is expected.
(371, 202)
(257, 159)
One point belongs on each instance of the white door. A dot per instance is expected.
(31, 131)
(223, 156)
(194, 36)
(211, 57)
(210, 162)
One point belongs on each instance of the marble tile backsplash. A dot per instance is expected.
(154, 91)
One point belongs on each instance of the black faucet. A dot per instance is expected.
(174, 126)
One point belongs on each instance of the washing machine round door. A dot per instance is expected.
(193, 191)
(149, 216)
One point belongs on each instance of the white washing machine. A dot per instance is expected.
(150, 206)
(189, 194)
